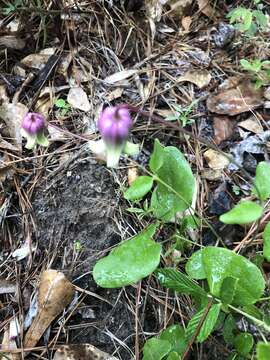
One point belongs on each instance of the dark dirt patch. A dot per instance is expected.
(79, 208)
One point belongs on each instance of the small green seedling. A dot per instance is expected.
(248, 21)
(182, 114)
(63, 106)
(259, 70)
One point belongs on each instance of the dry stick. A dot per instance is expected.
(207, 309)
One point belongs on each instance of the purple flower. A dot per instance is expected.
(114, 125)
(33, 123)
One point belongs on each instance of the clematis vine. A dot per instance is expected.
(114, 125)
(32, 128)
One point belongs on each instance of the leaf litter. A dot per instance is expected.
(68, 202)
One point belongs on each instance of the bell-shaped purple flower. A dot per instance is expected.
(32, 128)
(114, 125)
(33, 123)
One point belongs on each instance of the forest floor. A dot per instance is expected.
(61, 208)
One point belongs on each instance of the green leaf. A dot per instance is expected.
(176, 173)
(243, 343)
(194, 323)
(209, 323)
(215, 264)
(190, 222)
(131, 149)
(179, 282)
(175, 334)
(61, 103)
(246, 65)
(263, 351)
(266, 242)
(139, 188)
(130, 262)
(228, 330)
(156, 349)
(227, 290)
(173, 356)
(253, 311)
(194, 267)
(262, 181)
(157, 157)
(243, 213)
(261, 19)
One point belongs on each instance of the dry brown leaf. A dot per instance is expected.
(8, 344)
(252, 125)
(211, 174)
(35, 61)
(154, 8)
(7, 287)
(186, 22)
(215, 160)
(82, 352)
(3, 94)
(78, 99)
(132, 174)
(12, 42)
(120, 76)
(54, 294)
(6, 171)
(236, 100)
(115, 94)
(206, 8)
(200, 78)
(223, 128)
(12, 115)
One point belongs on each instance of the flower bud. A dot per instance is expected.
(114, 125)
(32, 128)
(33, 123)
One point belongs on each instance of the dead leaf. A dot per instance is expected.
(57, 135)
(256, 144)
(13, 114)
(115, 94)
(54, 294)
(82, 352)
(35, 61)
(200, 78)
(7, 287)
(120, 76)
(6, 171)
(9, 343)
(267, 93)
(206, 8)
(132, 174)
(186, 22)
(154, 8)
(177, 7)
(78, 99)
(3, 94)
(223, 128)
(211, 174)
(235, 101)
(23, 251)
(215, 160)
(252, 125)
(12, 42)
